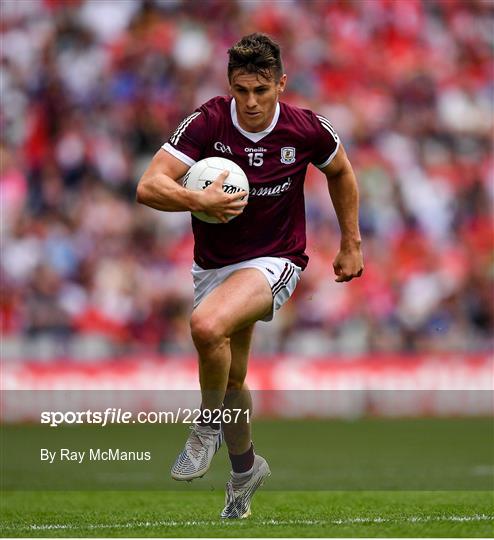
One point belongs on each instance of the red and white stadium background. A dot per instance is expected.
(396, 385)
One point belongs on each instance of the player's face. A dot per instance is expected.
(256, 99)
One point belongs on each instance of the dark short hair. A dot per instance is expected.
(256, 53)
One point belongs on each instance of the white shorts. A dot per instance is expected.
(282, 276)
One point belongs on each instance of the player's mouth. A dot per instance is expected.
(253, 114)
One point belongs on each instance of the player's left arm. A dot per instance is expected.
(343, 189)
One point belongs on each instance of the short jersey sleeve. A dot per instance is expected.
(326, 142)
(187, 142)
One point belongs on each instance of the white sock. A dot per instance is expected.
(239, 475)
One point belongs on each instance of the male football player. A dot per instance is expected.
(245, 269)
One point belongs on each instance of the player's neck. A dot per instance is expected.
(265, 128)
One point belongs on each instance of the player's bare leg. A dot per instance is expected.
(238, 435)
(248, 470)
(243, 298)
(237, 303)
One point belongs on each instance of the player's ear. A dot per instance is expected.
(282, 83)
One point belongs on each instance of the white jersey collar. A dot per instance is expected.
(254, 137)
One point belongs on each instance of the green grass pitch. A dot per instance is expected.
(286, 514)
(368, 477)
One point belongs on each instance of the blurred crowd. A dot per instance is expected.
(90, 90)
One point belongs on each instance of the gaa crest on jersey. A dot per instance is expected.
(287, 155)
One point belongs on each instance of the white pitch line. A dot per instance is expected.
(218, 523)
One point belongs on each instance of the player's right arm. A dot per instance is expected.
(159, 188)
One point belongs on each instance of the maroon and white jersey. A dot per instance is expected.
(275, 162)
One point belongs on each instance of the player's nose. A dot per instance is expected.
(251, 101)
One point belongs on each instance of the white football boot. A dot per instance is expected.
(200, 448)
(239, 492)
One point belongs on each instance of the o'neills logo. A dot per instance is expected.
(270, 191)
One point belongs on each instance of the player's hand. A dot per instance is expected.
(348, 263)
(220, 205)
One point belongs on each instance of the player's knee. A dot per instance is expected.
(206, 331)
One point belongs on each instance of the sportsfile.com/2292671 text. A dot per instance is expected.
(113, 415)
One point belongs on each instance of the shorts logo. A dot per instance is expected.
(287, 155)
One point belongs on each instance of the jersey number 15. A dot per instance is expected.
(255, 159)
